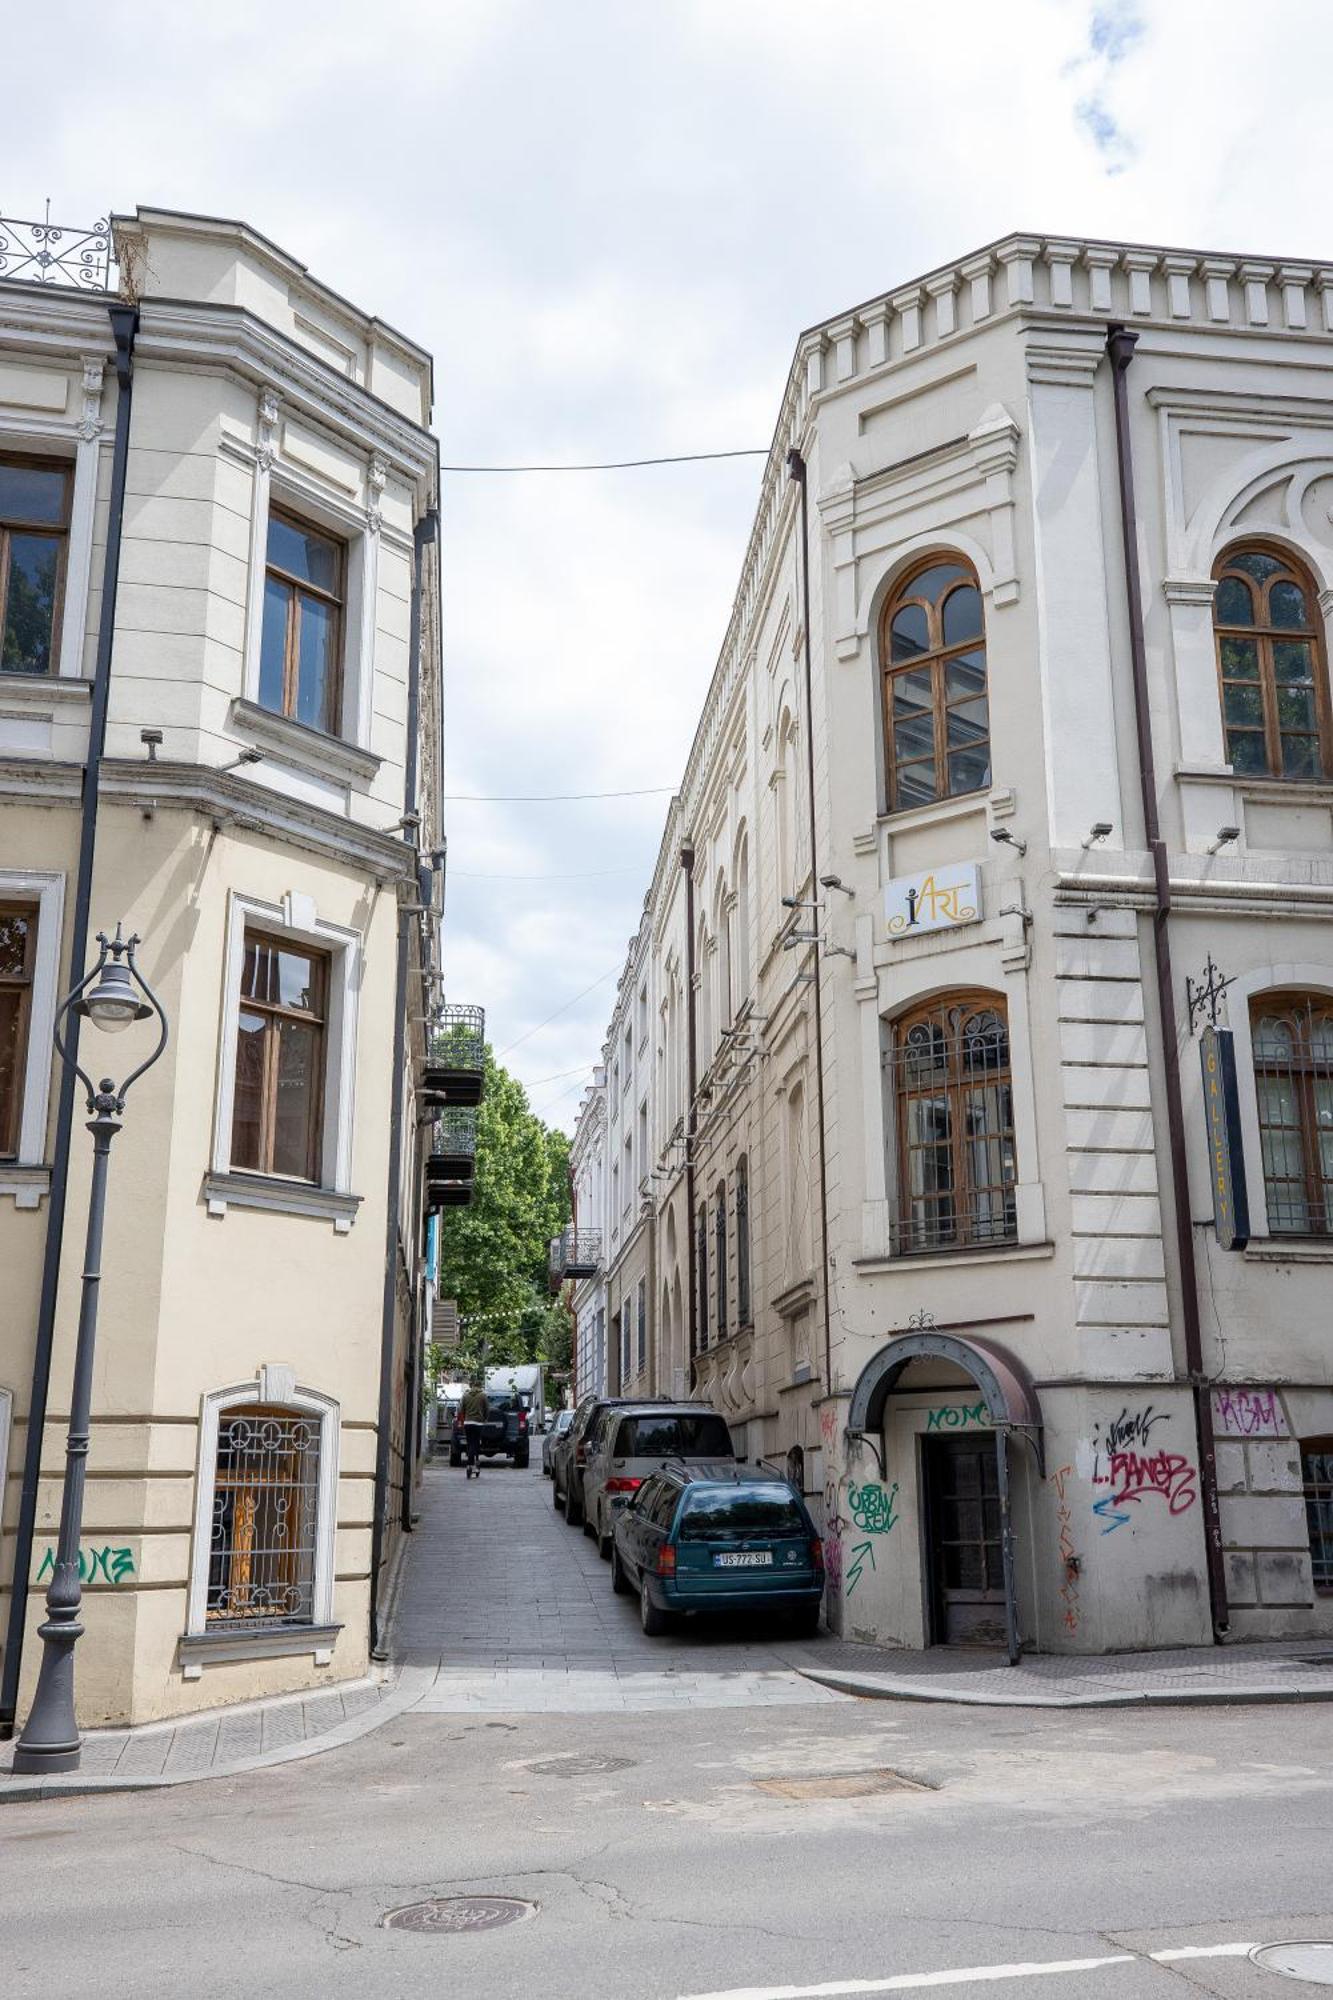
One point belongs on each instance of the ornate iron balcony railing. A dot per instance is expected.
(575, 1253)
(454, 1069)
(453, 1145)
(53, 253)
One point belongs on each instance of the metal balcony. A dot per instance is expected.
(452, 1155)
(53, 253)
(575, 1253)
(454, 1068)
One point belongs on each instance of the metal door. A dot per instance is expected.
(965, 1548)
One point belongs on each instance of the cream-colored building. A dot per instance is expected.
(242, 768)
(992, 963)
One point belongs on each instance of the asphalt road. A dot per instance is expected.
(703, 1862)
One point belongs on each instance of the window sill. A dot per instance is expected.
(911, 817)
(43, 689)
(1289, 1250)
(1256, 785)
(26, 1184)
(948, 1260)
(198, 1650)
(327, 754)
(280, 1197)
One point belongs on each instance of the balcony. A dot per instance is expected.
(53, 253)
(575, 1253)
(453, 1072)
(451, 1159)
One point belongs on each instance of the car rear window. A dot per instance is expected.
(682, 1436)
(741, 1510)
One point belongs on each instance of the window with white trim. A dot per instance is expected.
(31, 909)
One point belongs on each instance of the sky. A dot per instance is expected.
(609, 221)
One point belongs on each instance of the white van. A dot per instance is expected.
(526, 1380)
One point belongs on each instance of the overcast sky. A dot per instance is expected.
(609, 221)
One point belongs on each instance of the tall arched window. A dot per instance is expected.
(1292, 1039)
(1270, 666)
(701, 1274)
(936, 717)
(785, 805)
(720, 1259)
(954, 1120)
(703, 994)
(722, 930)
(743, 1313)
(741, 952)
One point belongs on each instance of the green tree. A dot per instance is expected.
(493, 1254)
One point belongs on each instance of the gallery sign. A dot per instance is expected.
(940, 900)
(1226, 1159)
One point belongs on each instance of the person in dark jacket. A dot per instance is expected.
(475, 1413)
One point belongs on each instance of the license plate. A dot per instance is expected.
(745, 1559)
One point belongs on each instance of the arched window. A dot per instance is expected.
(954, 1120)
(701, 1274)
(720, 1259)
(1270, 666)
(703, 994)
(741, 950)
(785, 805)
(723, 919)
(936, 717)
(1292, 1040)
(743, 1314)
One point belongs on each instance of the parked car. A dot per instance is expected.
(570, 1455)
(505, 1433)
(625, 1445)
(712, 1538)
(559, 1428)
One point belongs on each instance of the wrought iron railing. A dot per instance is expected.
(946, 1221)
(53, 253)
(576, 1253)
(1293, 1080)
(454, 1136)
(458, 1038)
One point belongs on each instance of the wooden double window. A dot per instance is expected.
(34, 533)
(1271, 669)
(18, 952)
(1292, 1043)
(936, 712)
(1317, 1479)
(300, 659)
(277, 1116)
(951, 1100)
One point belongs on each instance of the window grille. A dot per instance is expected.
(720, 1239)
(261, 1569)
(701, 1239)
(952, 1099)
(1317, 1472)
(643, 1325)
(742, 1243)
(18, 953)
(1293, 1080)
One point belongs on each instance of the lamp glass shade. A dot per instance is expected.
(112, 1004)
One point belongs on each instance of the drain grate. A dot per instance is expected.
(842, 1785)
(441, 1916)
(1302, 1958)
(592, 1764)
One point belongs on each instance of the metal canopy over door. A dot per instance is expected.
(965, 1543)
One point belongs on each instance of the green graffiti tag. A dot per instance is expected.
(872, 1507)
(863, 1552)
(106, 1565)
(956, 1416)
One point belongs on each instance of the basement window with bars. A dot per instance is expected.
(1292, 1041)
(264, 1535)
(1317, 1473)
(950, 1098)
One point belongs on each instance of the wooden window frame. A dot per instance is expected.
(1265, 636)
(964, 1193)
(58, 534)
(11, 1115)
(1293, 1004)
(1317, 1493)
(274, 1012)
(935, 660)
(299, 587)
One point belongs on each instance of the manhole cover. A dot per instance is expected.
(841, 1785)
(442, 1914)
(1305, 1958)
(593, 1764)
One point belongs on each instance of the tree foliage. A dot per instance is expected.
(493, 1254)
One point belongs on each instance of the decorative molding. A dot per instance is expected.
(332, 756)
(27, 1185)
(90, 423)
(197, 1650)
(227, 1190)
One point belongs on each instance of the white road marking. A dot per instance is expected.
(902, 1982)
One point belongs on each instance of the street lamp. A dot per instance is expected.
(112, 996)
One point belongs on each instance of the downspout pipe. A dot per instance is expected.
(691, 1108)
(1121, 342)
(426, 530)
(796, 469)
(124, 330)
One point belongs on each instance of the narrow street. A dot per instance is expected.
(689, 1818)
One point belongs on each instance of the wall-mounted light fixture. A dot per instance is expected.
(1003, 838)
(246, 757)
(836, 882)
(150, 738)
(1225, 836)
(1101, 829)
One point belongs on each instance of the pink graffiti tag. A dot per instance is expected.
(1135, 1476)
(1249, 1413)
(1068, 1554)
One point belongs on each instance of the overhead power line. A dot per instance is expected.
(527, 1036)
(547, 798)
(619, 464)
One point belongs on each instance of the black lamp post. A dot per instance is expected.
(112, 996)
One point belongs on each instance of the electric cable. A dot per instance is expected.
(620, 464)
(548, 798)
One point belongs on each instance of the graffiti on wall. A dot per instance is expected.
(1249, 1413)
(1135, 1467)
(1069, 1561)
(872, 1514)
(105, 1565)
(956, 1416)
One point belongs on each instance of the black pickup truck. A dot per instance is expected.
(505, 1433)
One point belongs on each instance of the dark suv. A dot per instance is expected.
(570, 1456)
(505, 1433)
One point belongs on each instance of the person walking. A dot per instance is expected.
(475, 1413)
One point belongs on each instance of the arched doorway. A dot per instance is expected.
(968, 1540)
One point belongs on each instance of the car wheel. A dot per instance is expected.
(619, 1581)
(604, 1544)
(520, 1461)
(573, 1512)
(653, 1621)
(556, 1500)
(805, 1621)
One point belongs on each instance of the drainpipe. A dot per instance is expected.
(797, 470)
(691, 1109)
(124, 328)
(425, 534)
(1121, 342)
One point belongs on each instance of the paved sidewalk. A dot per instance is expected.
(1193, 1676)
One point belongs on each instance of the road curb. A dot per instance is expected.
(882, 1688)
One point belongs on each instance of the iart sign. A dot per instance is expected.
(937, 901)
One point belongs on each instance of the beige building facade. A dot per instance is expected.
(992, 960)
(240, 766)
